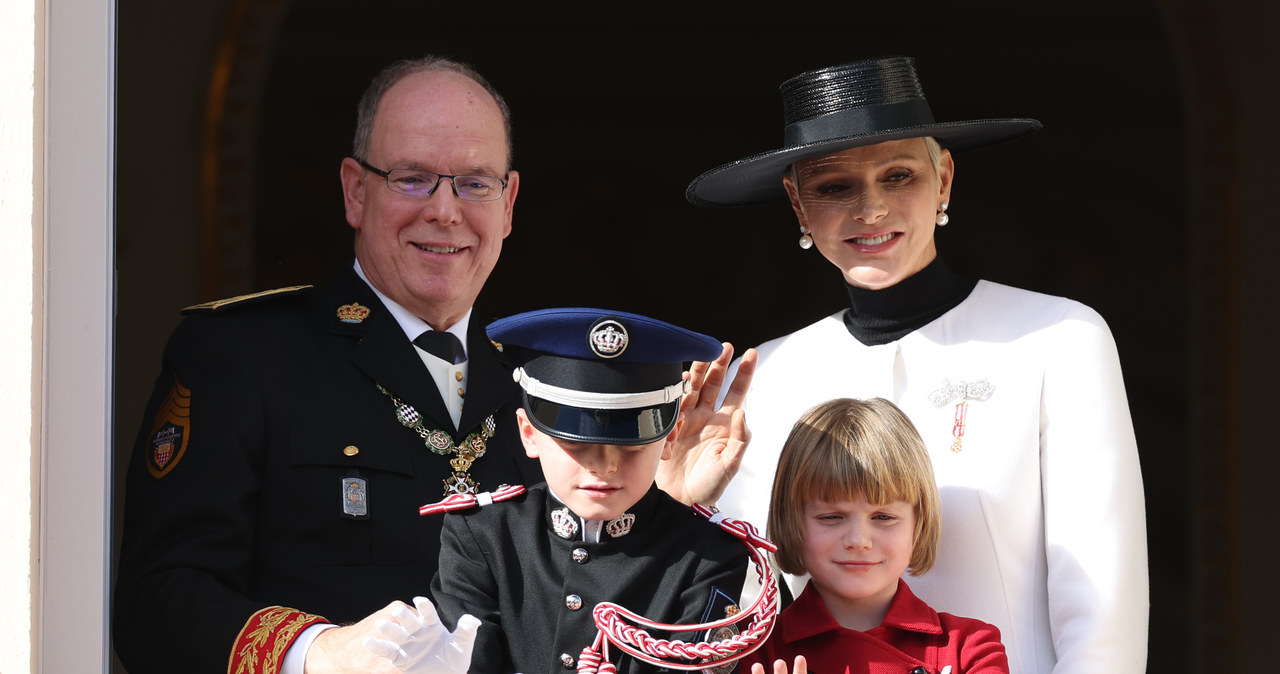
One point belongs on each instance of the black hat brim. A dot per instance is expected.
(758, 178)
(638, 426)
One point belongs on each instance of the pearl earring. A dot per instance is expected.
(806, 241)
(943, 218)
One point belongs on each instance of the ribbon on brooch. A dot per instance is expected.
(964, 391)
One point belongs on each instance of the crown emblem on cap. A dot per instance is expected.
(353, 313)
(608, 339)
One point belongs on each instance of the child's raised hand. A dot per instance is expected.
(710, 441)
(780, 667)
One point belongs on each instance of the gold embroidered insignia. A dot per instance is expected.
(265, 637)
(170, 432)
(353, 313)
(238, 299)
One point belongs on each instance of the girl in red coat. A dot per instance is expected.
(855, 506)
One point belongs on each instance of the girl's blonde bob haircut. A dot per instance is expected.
(846, 448)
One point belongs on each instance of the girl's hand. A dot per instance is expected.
(780, 667)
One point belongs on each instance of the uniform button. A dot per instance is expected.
(457, 376)
(461, 393)
(566, 661)
(580, 555)
(350, 450)
(919, 670)
(573, 602)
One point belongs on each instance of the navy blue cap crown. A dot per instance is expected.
(599, 376)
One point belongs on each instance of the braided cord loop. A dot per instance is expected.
(627, 630)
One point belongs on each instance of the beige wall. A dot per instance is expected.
(56, 284)
(77, 344)
(19, 374)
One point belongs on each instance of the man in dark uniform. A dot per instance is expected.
(292, 435)
(601, 399)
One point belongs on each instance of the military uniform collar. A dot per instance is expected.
(411, 324)
(566, 524)
(384, 350)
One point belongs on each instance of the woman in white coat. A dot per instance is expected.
(1018, 395)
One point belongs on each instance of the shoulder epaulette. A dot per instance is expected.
(466, 501)
(217, 305)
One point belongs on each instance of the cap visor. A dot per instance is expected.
(637, 426)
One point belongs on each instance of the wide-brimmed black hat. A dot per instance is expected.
(840, 107)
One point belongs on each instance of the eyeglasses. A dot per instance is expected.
(418, 183)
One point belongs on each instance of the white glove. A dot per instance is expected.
(419, 644)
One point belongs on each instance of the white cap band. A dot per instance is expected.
(598, 401)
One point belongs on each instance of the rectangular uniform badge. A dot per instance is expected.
(355, 497)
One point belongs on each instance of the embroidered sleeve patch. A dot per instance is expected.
(170, 432)
(720, 605)
(261, 645)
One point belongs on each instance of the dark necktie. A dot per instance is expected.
(441, 344)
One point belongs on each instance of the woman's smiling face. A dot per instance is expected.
(871, 210)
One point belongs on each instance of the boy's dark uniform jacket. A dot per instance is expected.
(504, 564)
(235, 488)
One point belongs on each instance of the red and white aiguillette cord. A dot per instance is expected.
(611, 620)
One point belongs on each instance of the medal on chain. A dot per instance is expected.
(464, 453)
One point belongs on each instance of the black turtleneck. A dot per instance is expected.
(886, 315)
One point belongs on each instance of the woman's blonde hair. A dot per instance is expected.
(931, 144)
(846, 448)
(935, 154)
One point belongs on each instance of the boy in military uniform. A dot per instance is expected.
(601, 397)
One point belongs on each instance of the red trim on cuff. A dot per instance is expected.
(265, 637)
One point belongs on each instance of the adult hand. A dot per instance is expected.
(341, 650)
(709, 441)
(416, 642)
(780, 667)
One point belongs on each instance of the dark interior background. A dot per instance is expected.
(234, 116)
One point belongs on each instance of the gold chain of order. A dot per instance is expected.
(440, 442)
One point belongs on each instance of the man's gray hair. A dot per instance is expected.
(368, 106)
